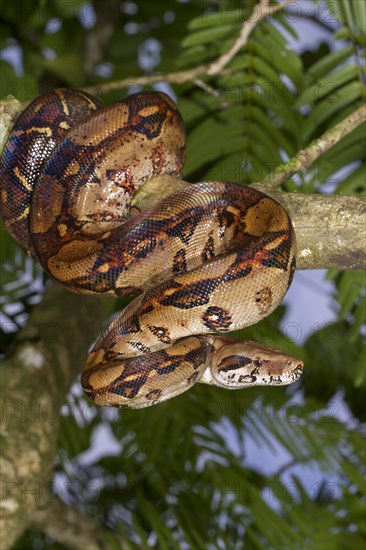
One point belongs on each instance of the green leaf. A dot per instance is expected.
(222, 17)
(331, 61)
(359, 16)
(334, 103)
(327, 85)
(207, 36)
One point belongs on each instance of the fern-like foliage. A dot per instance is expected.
(152, 487)
(259, 123)
(274, 103)
(21, 283)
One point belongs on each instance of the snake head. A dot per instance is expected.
(243, 364)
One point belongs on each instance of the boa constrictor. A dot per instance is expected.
(211, 257)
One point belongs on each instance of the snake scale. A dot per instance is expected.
(209, 258)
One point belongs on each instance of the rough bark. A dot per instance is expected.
(330, 229)
(74, 529)
(46, 359)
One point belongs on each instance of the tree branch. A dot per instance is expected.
(179, 77)
(47, 357)
(330, 229)
(326, 239)
(305, 157)
(74, 529)
(260, 11)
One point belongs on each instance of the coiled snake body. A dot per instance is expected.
(211, 257)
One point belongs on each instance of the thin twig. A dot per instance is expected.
(259, 12)
(305, 157)
(190, 75)
(211, 91)
(179, 77)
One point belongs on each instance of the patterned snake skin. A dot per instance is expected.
(209, 258)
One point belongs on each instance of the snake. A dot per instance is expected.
(208, 258)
